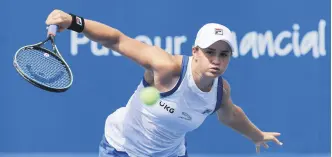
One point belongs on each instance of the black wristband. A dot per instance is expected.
(77, 23)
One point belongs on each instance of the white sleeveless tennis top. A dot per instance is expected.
(160, 129)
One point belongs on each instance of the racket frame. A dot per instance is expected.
(55, 53)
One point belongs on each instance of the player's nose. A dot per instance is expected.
(215, 60)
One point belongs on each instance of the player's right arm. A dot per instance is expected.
(150, 57)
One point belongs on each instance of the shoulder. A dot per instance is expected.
(166, 63)
(171, 63)
(226, 86)
(168, 70)
(178, 62)
(175, 66)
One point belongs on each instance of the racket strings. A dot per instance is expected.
(44, 68)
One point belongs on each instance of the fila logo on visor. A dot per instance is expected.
(79, 21)
(218, 31)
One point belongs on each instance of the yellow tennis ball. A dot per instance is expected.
(149, 95)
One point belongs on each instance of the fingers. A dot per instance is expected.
(275, 133)
(269, 136)
(258, 149)
(275, 140)
(54, 20)
(55, 17)
(61, 29)
(272, 137)
(60, 18)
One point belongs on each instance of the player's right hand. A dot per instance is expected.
(60, 18)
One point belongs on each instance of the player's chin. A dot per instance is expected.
(213, 74)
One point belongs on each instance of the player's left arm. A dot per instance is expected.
(234, 117)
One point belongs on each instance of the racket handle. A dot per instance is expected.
(52, 29)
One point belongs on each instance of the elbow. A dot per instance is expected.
(237, 110)
(112, 39)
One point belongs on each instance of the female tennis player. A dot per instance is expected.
(192, 88)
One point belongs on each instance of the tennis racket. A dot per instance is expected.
(43, 67)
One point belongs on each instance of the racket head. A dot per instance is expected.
(43, 68)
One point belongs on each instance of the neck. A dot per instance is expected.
(204, 83)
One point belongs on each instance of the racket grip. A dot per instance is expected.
(52, 29)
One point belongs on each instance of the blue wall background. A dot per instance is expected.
(281, 90)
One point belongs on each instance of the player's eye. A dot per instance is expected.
(224, 55)
(209, 52)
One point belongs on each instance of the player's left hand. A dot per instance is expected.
(267, 137)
